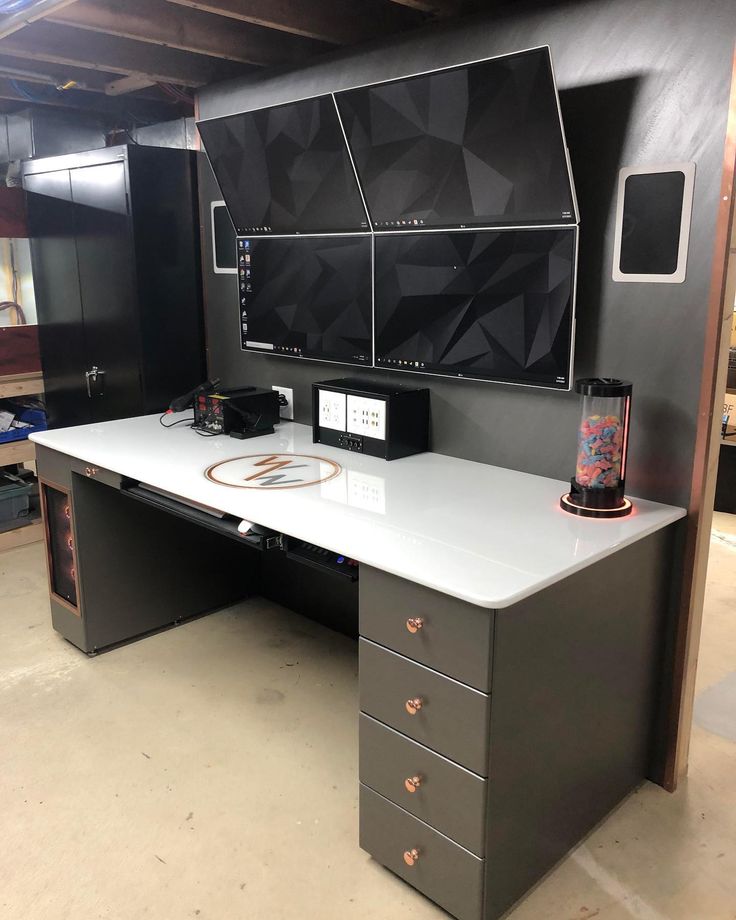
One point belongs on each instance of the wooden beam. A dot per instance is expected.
(52, 43)
(146, 110)
(160, 23)
(436, 8)
(124, 85)
(338, 23)
(17, 21)
(17, 68)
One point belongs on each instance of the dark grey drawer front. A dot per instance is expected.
(98, 473)
(449, 798)
(453, 719)
(454, 638)
(444, 872)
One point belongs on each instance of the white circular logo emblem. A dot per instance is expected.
(273, 471)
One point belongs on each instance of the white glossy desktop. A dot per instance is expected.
(484, 534)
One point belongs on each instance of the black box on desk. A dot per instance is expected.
(244, 413)
(371, 418)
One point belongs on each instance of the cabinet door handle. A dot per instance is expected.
(414, 624)
(95, 380)
(90, 471)
(411, 856)
(414, 705)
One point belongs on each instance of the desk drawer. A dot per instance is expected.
(452, 720)
(443, 871)
(447, 797)
(98, 473)
(453, 637)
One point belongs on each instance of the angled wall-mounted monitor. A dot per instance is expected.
(307, 297)
(479, 145)
(285, 169)
(491, 305)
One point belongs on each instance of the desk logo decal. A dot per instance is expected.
(273, 471)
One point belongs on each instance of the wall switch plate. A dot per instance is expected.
(286, 411)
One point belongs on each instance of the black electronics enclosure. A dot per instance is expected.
(116, 269)
(243, 413)
(370, 418)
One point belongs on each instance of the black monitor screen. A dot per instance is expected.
(478, 145)
(285, 169)
(307, 297)
(494, 305)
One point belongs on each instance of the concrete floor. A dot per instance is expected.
(210, 772)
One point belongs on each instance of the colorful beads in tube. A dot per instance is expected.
(601, 442)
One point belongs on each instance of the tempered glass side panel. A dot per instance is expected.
(477, 145)
(60, 544)
(285, 169)
(493, 305)
(307, 297)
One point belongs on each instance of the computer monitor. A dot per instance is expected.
(285, 169)
(478, 145)
(307, 297)
(491, 305)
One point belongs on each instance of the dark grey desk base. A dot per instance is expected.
(535, 720)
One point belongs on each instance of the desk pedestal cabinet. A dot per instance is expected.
(491, 741)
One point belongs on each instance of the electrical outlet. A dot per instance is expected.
(288, 410)
(332, 410)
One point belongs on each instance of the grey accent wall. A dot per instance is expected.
(641, 82)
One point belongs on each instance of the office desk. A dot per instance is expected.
(510, 654)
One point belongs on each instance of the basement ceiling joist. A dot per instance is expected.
(140, 110)
(159, 22)
(123, 48)
(52, 43)
(438, 8)
(326, 20)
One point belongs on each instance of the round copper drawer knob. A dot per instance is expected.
(413, 706)
(414, 624)
(411, 856)
(412, 783)
(90, 471)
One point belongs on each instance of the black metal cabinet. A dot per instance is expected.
(115, 246)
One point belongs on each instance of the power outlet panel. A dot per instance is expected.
(367, 417)
(286, 411)
(332, 410)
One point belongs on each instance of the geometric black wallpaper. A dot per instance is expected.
(494, 305)
(285, 169)
(308, 297)
(476, 145)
